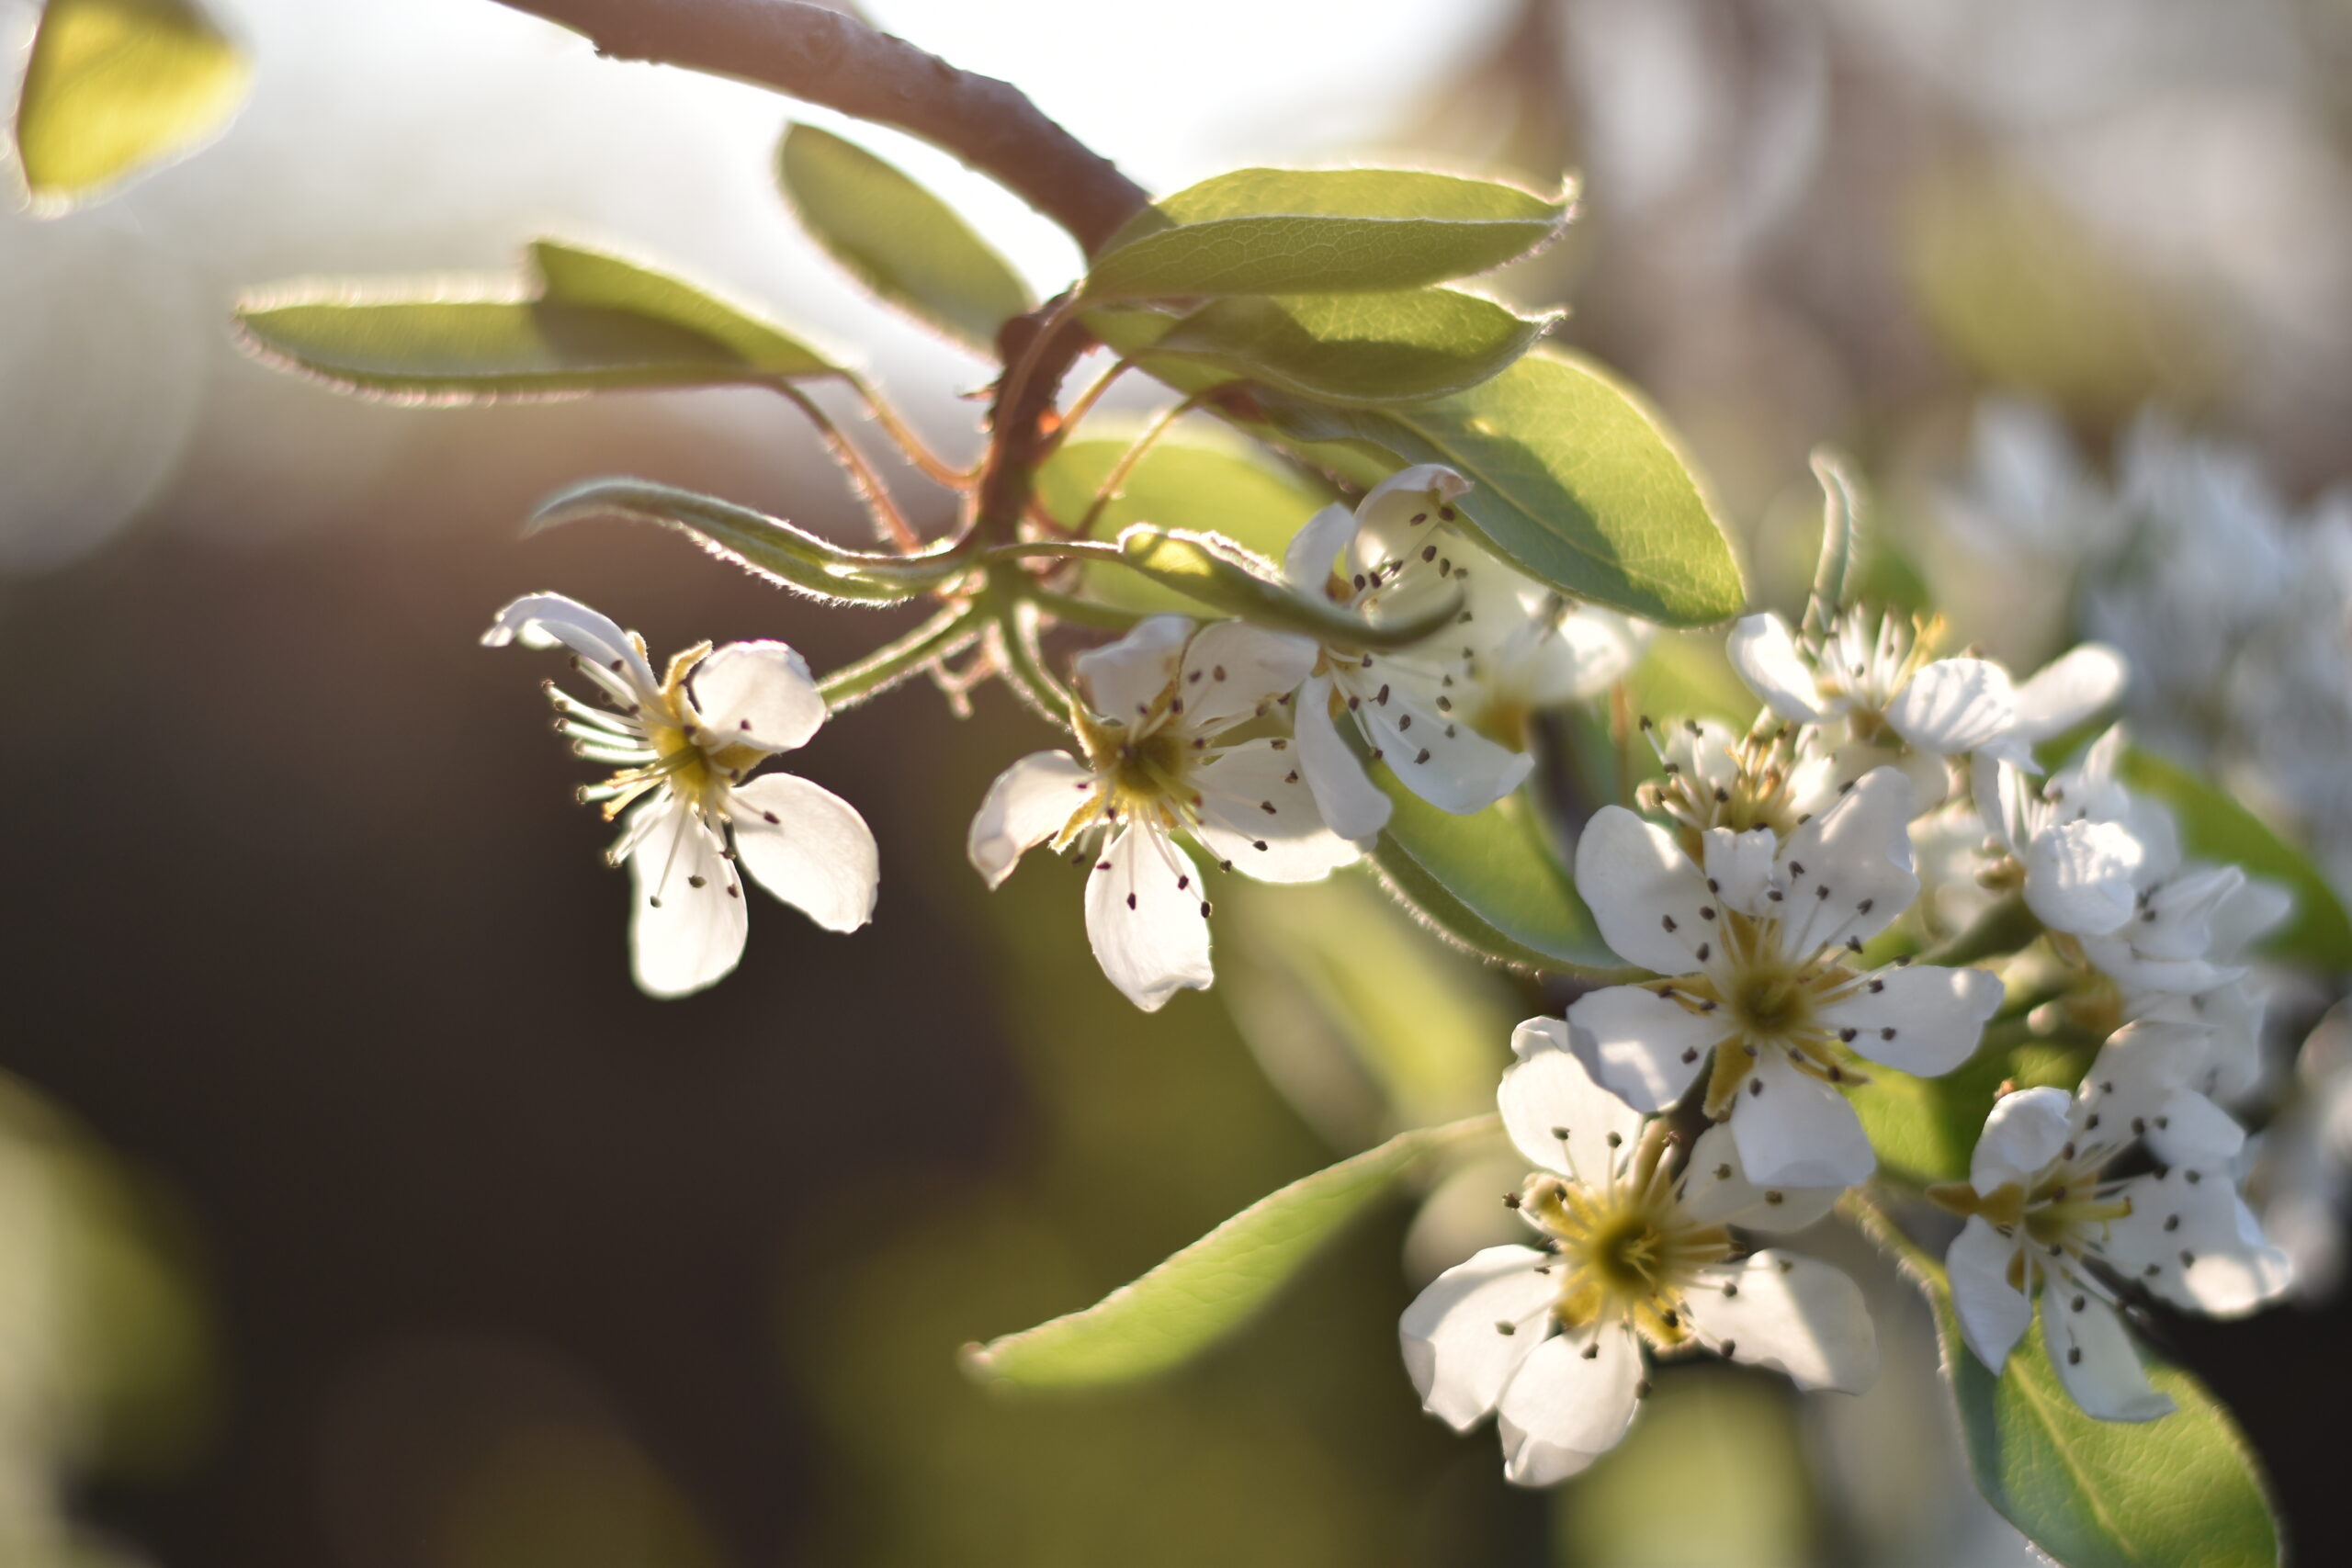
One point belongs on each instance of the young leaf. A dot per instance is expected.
(1490, 881)
(1347, 348)
(1188, 482)
(113, 87)
(1576, 481)
(766, 545)
(597, 323)
(1205, 1291)
(2183, 1491)
(1296, 231)
(1841, 538)
(2215, 826)
(898, 239)
(1211, 571)
(572, 275)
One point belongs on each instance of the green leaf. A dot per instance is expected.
(1205, 1291)
(1296, 231)
(2213, 826)
(1492, 881)
(898, 239)
(1925, 1128)
(597, 323)
(765, 545)
(572, 275)
(1347, 348)
(1200, 479)
(1213, 572)
(1330, 974)
(2183, 1491)
(1575, 480)
(113, 87)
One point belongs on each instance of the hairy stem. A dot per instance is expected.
(868, 484)
(887, 666)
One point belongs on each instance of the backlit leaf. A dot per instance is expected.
(898, 239)
(115, 86)
(1200, 1294)
(1297, 231)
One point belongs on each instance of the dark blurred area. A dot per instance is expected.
(401, 1232)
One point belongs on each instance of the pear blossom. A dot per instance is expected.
(1892, 699)
(1156, 709)
(684, 745)
(1398, 561)
(1635, 1257)
(1759, 938)
(2044, 1219)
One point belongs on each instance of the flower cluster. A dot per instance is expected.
(1666, 1114)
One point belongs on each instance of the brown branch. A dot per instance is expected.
(830, 59)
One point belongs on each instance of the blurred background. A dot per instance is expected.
(355, 1210)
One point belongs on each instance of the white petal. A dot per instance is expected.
(1457, 1354)
(1765, 657)
(757, 693)
(1920, 1019)
(1556, 1113)
(2191, 1240)
(1792, 1313)
(1797, 1131)
(1232, 669)
(1569, 1403)
(2094, 1359)
(1642, 890)
(2190, 1130)
(2244, 916)
(2078, 876)
(551, 620)
(1993, 1314)
(2069, 691)
(1123, 680)
(1350, 804)
(1740, 866)
(2177, 923)
(1287, 843)
(1386, 528)
(1146, 919)
(1847, 872)
(1601, 648)
(1029, 803)
(1715, 1191)
(2021, 1137)
(808, 847)
(1448, 764)
(688, 920)
(1307, 563)
(1954, 705)
(1644, 1046)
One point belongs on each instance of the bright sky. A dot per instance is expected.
(406, 136)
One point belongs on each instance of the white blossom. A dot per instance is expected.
(1761, 942)
(1157, 706)
(1432, 712)
(683, 746)
(1896, 704)
(2043, 1218)
(1635, 1257)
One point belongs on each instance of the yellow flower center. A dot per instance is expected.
(1627, 1249)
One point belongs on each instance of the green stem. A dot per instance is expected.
(2007, 926)
(1052, 549)
(1117, 477)
(885, 667)
(864, 480)
(1868, 1214)
(1083, 612)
